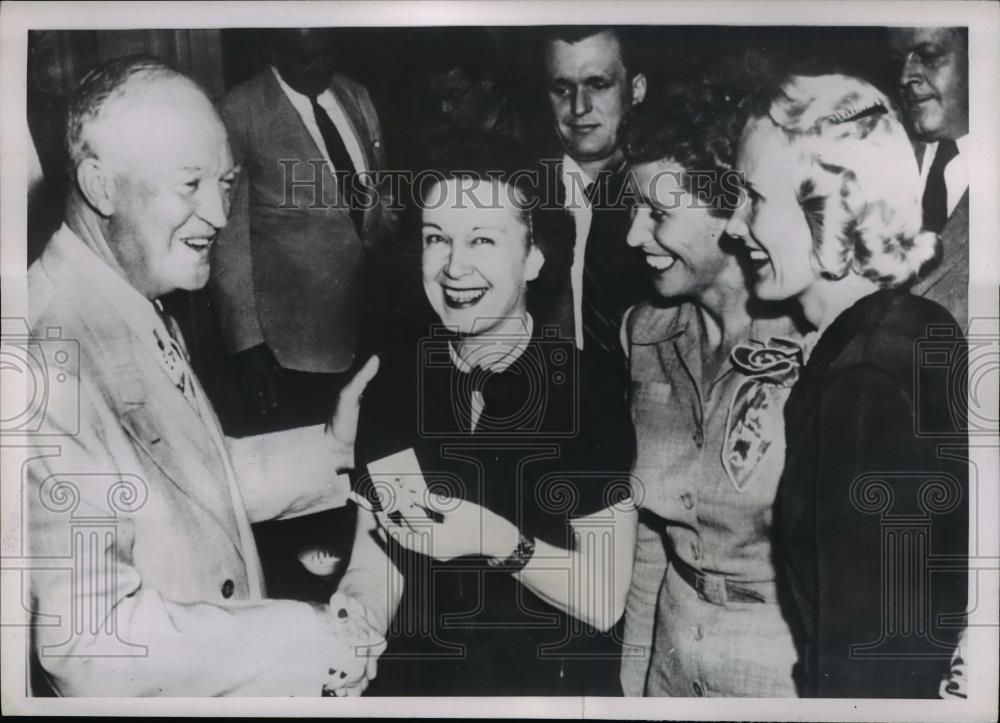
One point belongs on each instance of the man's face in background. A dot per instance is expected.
(461, 101)
(304, 58)
(589, 93)
(934, 80)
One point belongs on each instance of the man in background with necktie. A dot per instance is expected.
(289, 270)
(592, 78)
(934, 83)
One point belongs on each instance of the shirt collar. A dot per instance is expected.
(138, 312)
(672, 322)
(963, 145)
(495, 356)
(572, 168)
(301, 100)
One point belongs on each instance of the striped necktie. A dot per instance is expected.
(175, 358)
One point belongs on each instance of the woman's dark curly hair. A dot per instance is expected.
(698, 127)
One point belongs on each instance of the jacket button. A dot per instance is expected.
(698, 436)
(687, 500)
(227, 589)
(699, 632)
(695, 551)
(697, 689)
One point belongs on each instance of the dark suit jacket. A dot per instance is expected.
(288, 268)
(614, 272)
(874, 495)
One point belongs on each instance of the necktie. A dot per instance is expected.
(935, 192)
(599, 306)
(175, 361)
(337, 151)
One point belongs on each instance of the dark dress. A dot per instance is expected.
(537, 458)
(872, 509)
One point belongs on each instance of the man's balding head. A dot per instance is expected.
(152, 171)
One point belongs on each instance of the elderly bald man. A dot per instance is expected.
(138, 491)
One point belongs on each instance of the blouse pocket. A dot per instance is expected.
(654, 418)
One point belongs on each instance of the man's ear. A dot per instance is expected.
(96, 183)
(534, 264)
(638, 88)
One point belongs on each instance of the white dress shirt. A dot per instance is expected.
(328, 102)
(575, 180)
(956, 173)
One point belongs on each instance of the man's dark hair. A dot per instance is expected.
(575, 33)
(696, 126)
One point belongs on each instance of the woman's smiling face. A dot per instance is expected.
(770, 222)
(477, 254)
(678, 234)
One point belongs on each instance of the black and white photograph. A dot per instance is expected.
(495, 359)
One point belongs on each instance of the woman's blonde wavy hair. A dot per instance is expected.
(856, 178)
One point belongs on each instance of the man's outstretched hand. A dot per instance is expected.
(343, 426)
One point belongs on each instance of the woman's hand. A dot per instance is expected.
(448, 528)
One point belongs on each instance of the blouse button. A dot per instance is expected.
(697, 689)
(695, 551)
(699, 632)
(698, 436)
(687, 500)
(228, 587)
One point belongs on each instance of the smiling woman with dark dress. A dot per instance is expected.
(517, 561)
(872, 507)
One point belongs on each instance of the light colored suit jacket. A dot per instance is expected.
(287, 269)
(143, 510)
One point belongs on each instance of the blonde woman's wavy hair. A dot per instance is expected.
(856, 178)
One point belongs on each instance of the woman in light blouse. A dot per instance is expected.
(710, 372)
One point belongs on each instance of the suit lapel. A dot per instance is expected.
(285, 118)
(355, 116)
(955, 246)
(153, 412)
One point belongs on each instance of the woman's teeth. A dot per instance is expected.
(758, 256)
(661, 263)
(464, 296)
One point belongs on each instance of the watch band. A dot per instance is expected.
(518, 558)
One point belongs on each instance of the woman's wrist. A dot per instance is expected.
(519, 556)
